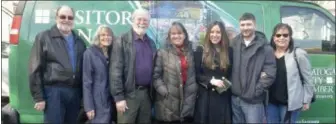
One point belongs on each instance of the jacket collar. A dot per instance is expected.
(185, 49)
(56, 33)
(135, 36)
(129, 39)
(258, 39)
(99, 52)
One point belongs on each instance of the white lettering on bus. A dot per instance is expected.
(98, 16)
(126, 16)
(318, 80)
(86, 36)
(324, 71)
(79, 15)
(111, 17)
(324, 89)
(88, 17)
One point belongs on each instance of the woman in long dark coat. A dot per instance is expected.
(97, 98)
(213, 62)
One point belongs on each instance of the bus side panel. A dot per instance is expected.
(323, 76)
(18, 86)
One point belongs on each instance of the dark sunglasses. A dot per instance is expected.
(64, 17)
(284, 35)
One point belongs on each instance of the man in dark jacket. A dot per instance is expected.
(131, 71)
(253, 72)
(55, 67)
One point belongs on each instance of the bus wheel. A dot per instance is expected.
(9, 115)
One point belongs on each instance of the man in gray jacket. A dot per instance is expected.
(254, 71)
(131, 71)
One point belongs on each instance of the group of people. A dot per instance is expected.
(128, 73)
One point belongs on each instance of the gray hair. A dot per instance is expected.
(95, 40)
(140, 11)
(65, 6)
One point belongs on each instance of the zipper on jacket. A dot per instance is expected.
(181, 88)
(182, 101)
(76, 51)
(241, 87)
(133, 54)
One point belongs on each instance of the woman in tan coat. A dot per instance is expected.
(174, 78)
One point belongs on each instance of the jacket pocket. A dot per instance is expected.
(162, 98)
(55, 72)
(258, 93)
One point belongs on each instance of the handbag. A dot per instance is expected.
(301, 77)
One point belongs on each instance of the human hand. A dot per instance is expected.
(90, 114)
(39, 106)
(305, 107)
(217, 83)
(121, 106)
(263, 74)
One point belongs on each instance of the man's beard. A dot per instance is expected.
(140, 29)
(65, 27)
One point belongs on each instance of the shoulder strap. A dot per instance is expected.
(297, 64)
(301, 77)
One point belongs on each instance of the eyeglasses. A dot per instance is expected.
(284, 35)
(64, 17)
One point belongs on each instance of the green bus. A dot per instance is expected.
(313, 28)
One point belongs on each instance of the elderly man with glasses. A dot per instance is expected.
(55, 70)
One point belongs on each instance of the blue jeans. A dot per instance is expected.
(62, 105)
(244, 112)
(276, 114)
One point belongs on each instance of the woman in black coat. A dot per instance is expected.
(213, 62)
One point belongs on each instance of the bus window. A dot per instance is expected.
(312, 30)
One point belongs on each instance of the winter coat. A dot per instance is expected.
(122, 72)
(173, 100)
(250, 62)
(212, 107)
(49, 62)
(96, 95)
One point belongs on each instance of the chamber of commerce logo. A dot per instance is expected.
(324, 80)
(42, 16)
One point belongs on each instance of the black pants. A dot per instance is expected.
(62, 104)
